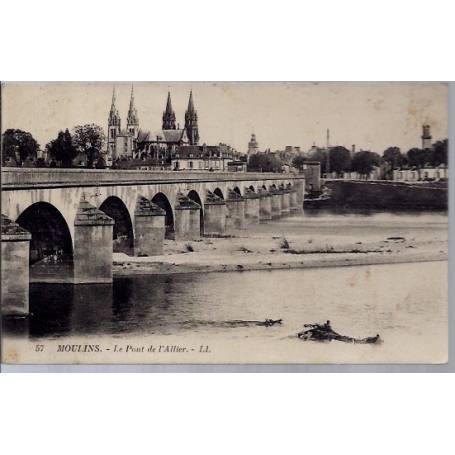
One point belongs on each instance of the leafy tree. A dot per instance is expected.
(364, 162)
(339, 159)
(62, 149)
(321, 156)
(264, 162)
(440, 149)
(19, 141)
(417, 157)
(394, 157)
(298, 161)
(40, 162)
(89, 139)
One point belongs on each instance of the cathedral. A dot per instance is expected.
(153, 147)
(121, 142)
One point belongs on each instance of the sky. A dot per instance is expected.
(373, 116)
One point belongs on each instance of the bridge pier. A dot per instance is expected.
(251, 207)
(15, 268)
(285, 201)
(235, 205)
(214, 215)
(92, 245)
(293, 205)
(149, 226)
(299, 186)
(276, 198)
(187, 219)
(265, 205)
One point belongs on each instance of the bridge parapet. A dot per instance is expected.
(46, 177)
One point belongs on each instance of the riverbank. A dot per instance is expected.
(386, 194)
(301, 242)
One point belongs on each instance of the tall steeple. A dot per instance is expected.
(132, 122)
(114, 117)
(191, 127)
(113, 129)
(168, 115)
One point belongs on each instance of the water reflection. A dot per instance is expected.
(128, 305)
(359, 300)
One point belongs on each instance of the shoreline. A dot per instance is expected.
(295, 242)
(160, 268)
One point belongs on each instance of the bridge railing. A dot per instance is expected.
(45, 176)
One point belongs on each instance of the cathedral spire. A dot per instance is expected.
(114, 117)
(168, 115)
(132, 112)
(190, 103)
(113, 98)
(191, 127)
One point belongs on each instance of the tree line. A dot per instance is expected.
(341, 160)
(19, 147)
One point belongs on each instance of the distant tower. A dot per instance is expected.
(113, 127)
(132, 121)
(168, 115)
(253, 146)
(192, 130)
(426, 137)
(328, 153)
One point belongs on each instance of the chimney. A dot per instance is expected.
(353, 149)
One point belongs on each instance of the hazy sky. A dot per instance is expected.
(372, 116)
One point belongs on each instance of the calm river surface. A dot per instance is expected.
(405, 303)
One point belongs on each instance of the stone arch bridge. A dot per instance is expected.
(71, 220)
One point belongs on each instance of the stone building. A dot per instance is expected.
(427, 173)
(203, 157)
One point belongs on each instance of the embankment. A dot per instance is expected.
(388, 195)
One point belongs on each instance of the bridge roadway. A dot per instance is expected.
(73, 219)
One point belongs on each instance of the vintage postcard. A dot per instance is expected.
(224, 223)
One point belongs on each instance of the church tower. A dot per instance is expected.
(113, 127)
(168, 115)
(132, 121)
(426, 137)
(253, 147)
(192, 130)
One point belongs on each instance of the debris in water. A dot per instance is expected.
(324, 332)
(270, 322)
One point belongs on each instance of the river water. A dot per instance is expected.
(405, 303)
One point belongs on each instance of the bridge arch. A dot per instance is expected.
(161, 200)
(194, 196)
(219, 193)
(237, 190)
(51, 245)
(122, 233)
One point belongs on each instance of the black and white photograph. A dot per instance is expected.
(224, 222)
(226, 227)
